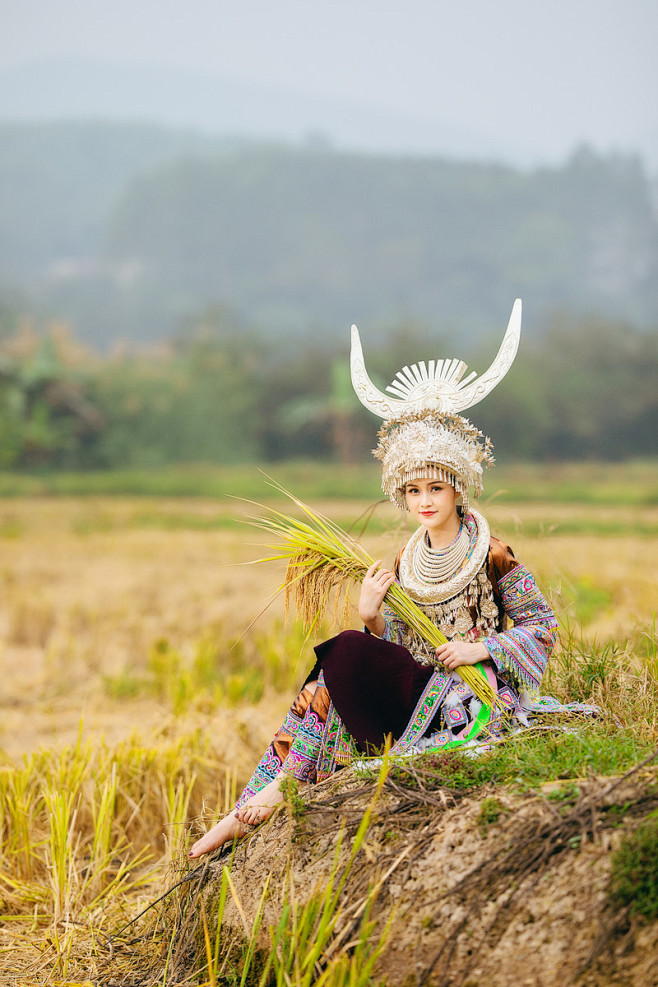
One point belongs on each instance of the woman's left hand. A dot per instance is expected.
(456, 653)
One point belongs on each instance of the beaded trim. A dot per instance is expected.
(471, 615)
(435, 445)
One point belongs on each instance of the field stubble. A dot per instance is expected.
(90, 588)
(122, 619)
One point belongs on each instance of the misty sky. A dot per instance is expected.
(546, 74)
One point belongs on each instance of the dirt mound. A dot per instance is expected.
(481, 888)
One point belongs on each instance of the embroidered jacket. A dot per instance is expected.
(520, 652)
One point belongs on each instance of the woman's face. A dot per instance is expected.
(434, 505)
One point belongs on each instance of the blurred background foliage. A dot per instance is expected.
(582, 390)
(167, 297)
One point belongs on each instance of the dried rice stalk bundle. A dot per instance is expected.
(310, 582)
(322, 560)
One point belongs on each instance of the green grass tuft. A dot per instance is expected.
(531, 759)
(490, 812)
(224, 671)
(634, 871)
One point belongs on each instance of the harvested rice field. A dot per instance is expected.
(141, 680)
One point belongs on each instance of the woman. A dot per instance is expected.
(386, 681)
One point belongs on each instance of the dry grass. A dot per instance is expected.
(80, 604)
(85, 834)
(88, 587)
(121, 613)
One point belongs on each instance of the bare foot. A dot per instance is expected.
(260, 806)
(256, 810)
(226, 829)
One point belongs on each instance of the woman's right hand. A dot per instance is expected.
(373, 590)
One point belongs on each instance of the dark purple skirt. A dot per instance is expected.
(374, 685)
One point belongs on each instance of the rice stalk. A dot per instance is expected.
(323, 560)
(62, 839)
(81, 844)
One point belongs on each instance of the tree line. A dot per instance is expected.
(583, 389)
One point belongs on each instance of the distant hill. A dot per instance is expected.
(59, 183)
(131, 231)
(81, 89)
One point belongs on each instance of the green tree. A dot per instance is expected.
(46, 416)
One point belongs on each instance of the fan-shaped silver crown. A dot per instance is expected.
(438, 386)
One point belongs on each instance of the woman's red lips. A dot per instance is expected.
(427, 513)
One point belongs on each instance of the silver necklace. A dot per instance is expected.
(435, 565)
(424, 592)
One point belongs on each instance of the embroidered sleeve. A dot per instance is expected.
(395, 629)
(520, 654)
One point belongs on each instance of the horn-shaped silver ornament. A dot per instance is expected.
(437, 387)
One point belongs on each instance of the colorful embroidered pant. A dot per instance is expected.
(376, 685)
(296, 744)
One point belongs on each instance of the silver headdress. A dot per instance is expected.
(423, 434)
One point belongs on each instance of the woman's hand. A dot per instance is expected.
(373, 590)
(456, 653)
